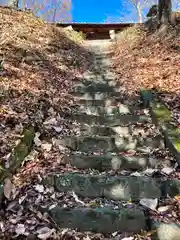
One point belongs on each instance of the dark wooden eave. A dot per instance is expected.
(96, 30)
(96, 27)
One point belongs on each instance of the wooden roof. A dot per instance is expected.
(86, 27)
(104, 25)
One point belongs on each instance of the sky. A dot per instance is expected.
(111, 10)
(94, 11)
(99, 10)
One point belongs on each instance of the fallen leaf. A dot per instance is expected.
(58, 129)
(8, 188)
(21, 199)
(37, 141)
(114, 234)
(46, 146)
(177, 198)
(39, 188)
(20, 229)
(45, 233)
(150, 171)
(149, 203)
(51, 121)
(86, 238)
(163, 208)
(52, 206)
(136, 174)
(11, 205)
(2, 227)
(167, 170)
(128, 238)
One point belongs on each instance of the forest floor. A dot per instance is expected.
(149, 61)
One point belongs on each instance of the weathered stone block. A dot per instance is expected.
(114, 162)
(100, 220)
(171, 187)
(95, 87)
(99, 110)
(162, 117)
(110, 120)
(117, 188)
(83, 185)
(19, 153)
(110, 144)
(131, 187)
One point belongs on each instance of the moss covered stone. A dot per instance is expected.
(110, 144)
(97, 95)
(108, 162)
(172, 187)
(162, 113)
(95, 87)
(146, 96)
(116, 188)
(99, 220)
(19, 153)
(163, 118)
(16, 158)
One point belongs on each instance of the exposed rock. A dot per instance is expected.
(115, 162)
(168, 232)
(100, 220)
(116, 188)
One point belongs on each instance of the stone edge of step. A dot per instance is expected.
(114, 162)
(161, 116)
(157, 230)
(124, 214)
(169, 187)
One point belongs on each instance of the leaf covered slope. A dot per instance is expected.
(40, 63)
(143, 60)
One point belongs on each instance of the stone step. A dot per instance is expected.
(113, 162)
(96, 95)
(99, 220)
(123, 188)
(94, 100)
(123, 131)
(96, 79)
(102, 103)
(114, 188)
(104, 62)
(105, 131)
(96, 87)
(110, 120)
(109, 102)
(111, 144)
(99, 110)
(103, 55)
(90, 78)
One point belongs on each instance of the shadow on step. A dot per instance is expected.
(111, 144)
(107, 162)
(123, 188)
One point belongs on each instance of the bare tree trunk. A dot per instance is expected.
(13, 3)
(54, 15)
(139, 11)
(164, 12)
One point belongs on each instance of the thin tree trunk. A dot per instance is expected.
(54, 15)
(164, 12)
(139, 11)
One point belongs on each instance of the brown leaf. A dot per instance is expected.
(8, 187)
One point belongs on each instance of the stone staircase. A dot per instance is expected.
(117, 139)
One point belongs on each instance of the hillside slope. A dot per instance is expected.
(145, 60)
(39, 66)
